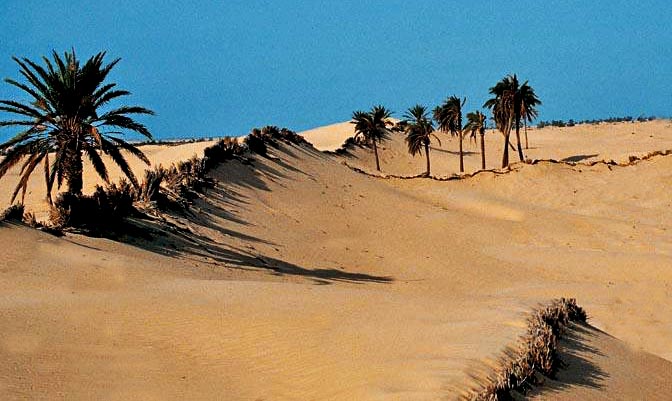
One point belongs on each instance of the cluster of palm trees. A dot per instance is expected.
(511, 103)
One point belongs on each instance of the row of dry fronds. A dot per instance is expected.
(537, 352)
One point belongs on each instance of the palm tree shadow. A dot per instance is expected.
(456, 153)
(578, 158)
(172, 241)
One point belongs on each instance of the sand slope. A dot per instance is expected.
(297, 278)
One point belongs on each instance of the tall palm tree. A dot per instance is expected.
(65, 119)
(522, 105)
(419, 131)
(449, 119)
(476, 124)
(528, 107)
(373, 126)
(502, 106)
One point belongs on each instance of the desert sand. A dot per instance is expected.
(297, 278)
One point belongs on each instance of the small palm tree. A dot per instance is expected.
(419, 131)
(64, 119)
(476, 124)
(373, 126)
(449, 119)
(528, 107)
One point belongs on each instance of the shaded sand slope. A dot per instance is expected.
(600, 367)
(297, 278)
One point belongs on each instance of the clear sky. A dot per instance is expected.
(211, 68)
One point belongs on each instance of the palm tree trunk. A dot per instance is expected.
(74, 170)
(520, 147)
(375, 151)
(461, 155)
(483, 149)
(46, 178)
(505, 156)
(427, 154)
(527, 145)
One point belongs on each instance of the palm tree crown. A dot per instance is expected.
(64, 119)
(449, 119)
(418, 127)
(476, 124)
(373, 125)
(528, 106)
(528, 102)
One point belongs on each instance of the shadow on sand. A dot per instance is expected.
(578, 369)
(453, 152)
(577, 158)
(184, 235)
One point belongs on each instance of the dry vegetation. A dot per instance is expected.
(537, 352)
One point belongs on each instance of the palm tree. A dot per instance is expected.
(419, 131)
(522, 106)
(528, 106)
(476, 123)
(65, 119)
(503, 112)
(373, 127)
(449, 119)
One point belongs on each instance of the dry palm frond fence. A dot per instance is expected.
(632, 160)
(536, 353)
(180, 179)
(431, 177)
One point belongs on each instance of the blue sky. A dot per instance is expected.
(211, 68)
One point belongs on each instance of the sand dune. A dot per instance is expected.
(297, 278)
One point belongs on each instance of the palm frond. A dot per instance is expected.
(27, 170)
(130, 148)
(97, 163)
(119, 159)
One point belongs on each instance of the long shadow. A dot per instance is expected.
(180, 241)
(577, 158)
(175, 242)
